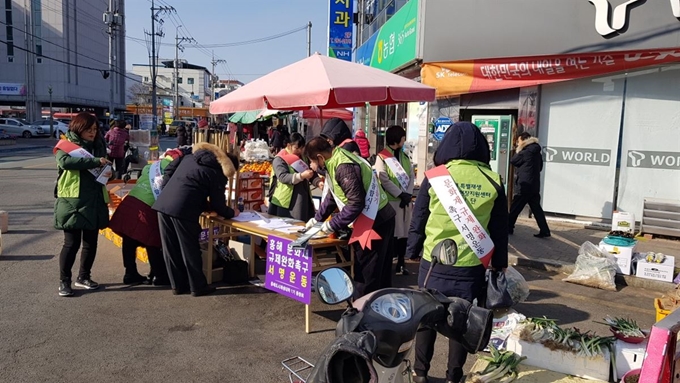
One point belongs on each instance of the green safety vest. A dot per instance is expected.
(342, 156)
(142, 190)
(283, 193)
(479, 194)
(405, 163)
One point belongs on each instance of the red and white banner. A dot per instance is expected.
(461, 77)
(467, 224)
(396, 168)
(102, 174)
(293, 161)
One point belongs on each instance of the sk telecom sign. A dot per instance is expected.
(653, 160)
(341, 15)
(619, 15)
(577, 156)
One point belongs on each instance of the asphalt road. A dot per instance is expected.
(143, 333)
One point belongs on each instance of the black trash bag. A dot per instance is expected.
(497, 295)
(348, 359)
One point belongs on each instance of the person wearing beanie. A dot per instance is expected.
(137, 223)
(337, 133)
(197, 183)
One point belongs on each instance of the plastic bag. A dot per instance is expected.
(497, 296)
(517, 286)
(594, 268)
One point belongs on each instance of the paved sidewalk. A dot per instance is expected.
(558, 253)
(23, 144)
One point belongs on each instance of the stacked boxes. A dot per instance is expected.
(251, 189)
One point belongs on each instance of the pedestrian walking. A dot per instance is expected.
(355, 191)
(528, 163)
(183, 135)
(397, 178)
(199, 176)
(116, 140)
(80, 210)
(289, 191)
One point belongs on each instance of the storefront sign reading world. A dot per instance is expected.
(289, 271)
(579, 156)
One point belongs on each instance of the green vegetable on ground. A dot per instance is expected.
(502, 367)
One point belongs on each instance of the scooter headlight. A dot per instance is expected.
(395, 307)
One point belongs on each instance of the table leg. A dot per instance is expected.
(211, 240)
(308, 312)
(251, 258)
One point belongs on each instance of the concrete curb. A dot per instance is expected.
(22, 148)
(568, 268)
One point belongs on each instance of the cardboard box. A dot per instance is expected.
(251, 183)
(657, 271)
(623, 255)
(256, 205)
(628, 356)
(596, 368)
(623, 221)
(251, 195)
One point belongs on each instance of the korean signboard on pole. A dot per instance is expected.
(341, 15)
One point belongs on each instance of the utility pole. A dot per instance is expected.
(112, 20)
(178, 47)
(49, 90)
(309, 39)
(214, 79)
(155, 11)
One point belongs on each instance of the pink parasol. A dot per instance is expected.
(323, 82)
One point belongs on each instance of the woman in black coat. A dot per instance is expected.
(200, 176)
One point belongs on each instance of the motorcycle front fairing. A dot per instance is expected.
(393, 315)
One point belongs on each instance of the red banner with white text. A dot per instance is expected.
(460, 77)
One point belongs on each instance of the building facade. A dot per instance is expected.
(60, 45)
(597, 82)
(193, 82)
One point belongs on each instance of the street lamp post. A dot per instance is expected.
(49, 90)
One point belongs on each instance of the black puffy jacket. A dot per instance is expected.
(528, 162)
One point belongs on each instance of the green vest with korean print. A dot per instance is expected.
(342, 156)
(480, 195)
(405, 163)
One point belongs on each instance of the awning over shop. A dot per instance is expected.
(245, 117)
(461, 77)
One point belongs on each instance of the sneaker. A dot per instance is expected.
(65, 289)
(420, 379)
(87, 284)
(542, 235)
(402, 271)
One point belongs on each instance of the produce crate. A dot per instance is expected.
(595, 368)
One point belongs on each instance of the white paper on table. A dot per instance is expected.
(246, 216)
(289, 229)
(275, 224)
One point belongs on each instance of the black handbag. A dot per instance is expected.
(497, 295)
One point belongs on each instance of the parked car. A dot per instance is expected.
(22, 128)
(59, 127)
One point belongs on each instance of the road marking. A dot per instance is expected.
(597, 301)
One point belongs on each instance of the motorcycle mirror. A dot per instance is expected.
(444, 252)
(334, 286)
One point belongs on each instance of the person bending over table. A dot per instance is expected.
(355, 191)
(199, 176)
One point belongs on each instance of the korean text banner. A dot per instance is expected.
(289, 271)
(460, 77)
(395, 43)
(341, 15)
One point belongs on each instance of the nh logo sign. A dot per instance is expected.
(608, 22)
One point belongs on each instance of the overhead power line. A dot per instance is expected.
(102, 71)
